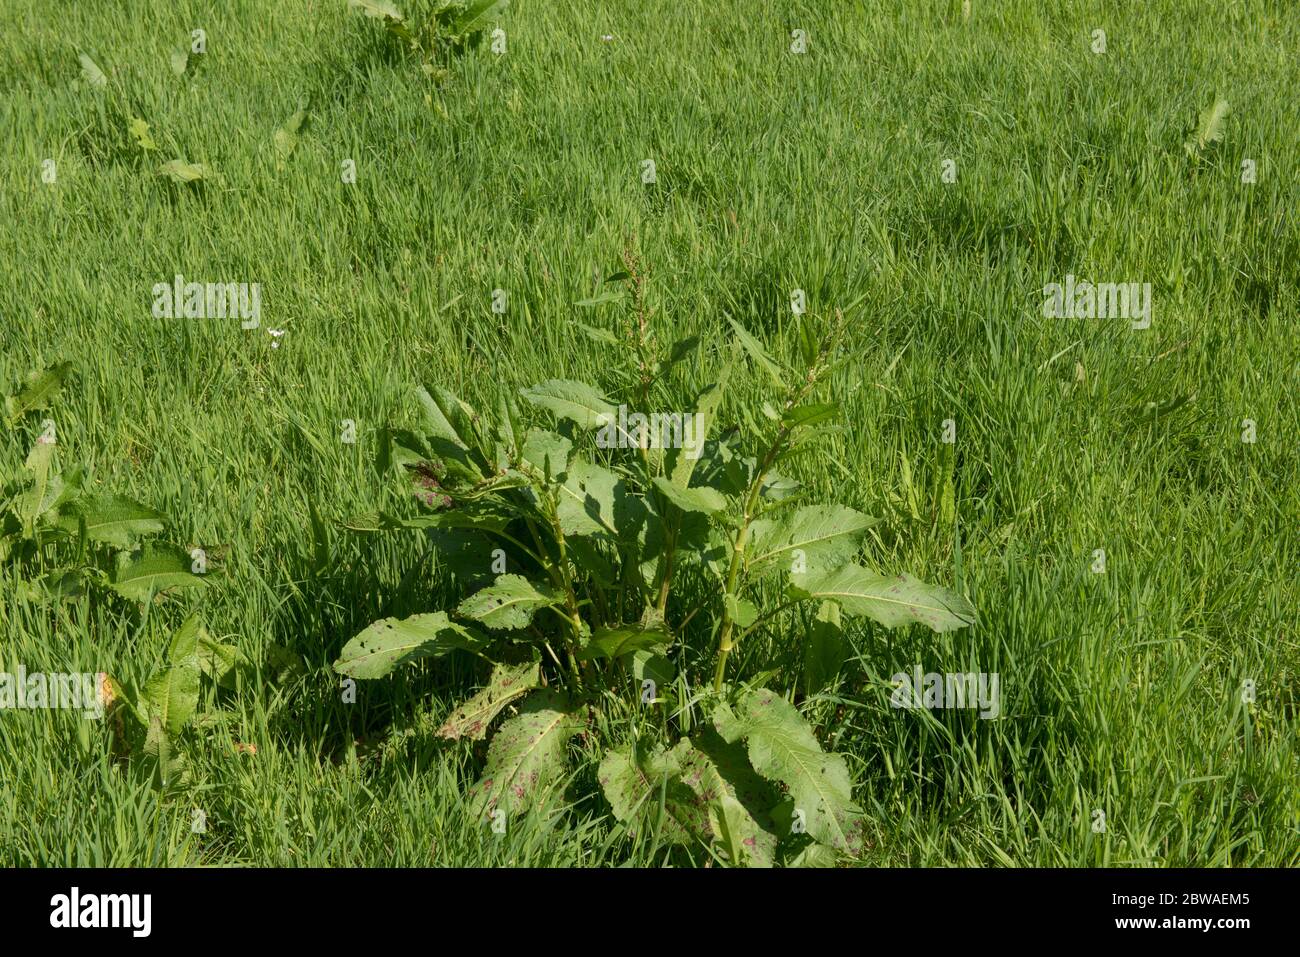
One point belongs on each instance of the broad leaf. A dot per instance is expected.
(681, 466)
(391, 642)
(593, 500)
(825, 650)
(703, 499)
(172, 695)
(379, 9)
(646, 791)
(478, 14)
(509, 603)
(526, 759)
(507, 683)
(782, 748)
(38, 391)
(91, 72)
(756, 352)
(575, 401)
(179, 171)
(892, 601)
(112, 519)
(738, 799)
(616, 642)
(548, 452)
(1209, 128)
(808, 539)
(151, 571)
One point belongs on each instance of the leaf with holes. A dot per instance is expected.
(507, 683)
(509, 603)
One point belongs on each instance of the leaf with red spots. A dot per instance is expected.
(507, 683)
(527, 756)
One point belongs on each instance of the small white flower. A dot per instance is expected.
(276, 334)
(607, 37)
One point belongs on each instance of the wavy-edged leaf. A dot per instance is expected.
(782, 748)
(172, 695)
(646, 790)
(1209, 127)
(507, 683)
(379, 9)
(738, 799)
(822, 536)
(477, 15)
(708, 501)
(527, 757)
(508, 603)
(575, 401)
(547, 452)
(38, 391)
(179, 171)
(680, 466)
(826, 649)
(756, 352)
(286, 137)
(891, 600)
(91, 73)
(593, 501)
(152, 570)
(390, 642)
(112, 519)
(625, 639)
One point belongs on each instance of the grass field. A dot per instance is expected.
(1122, 690)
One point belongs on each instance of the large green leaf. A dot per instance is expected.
(822, 536)
(179, 171)
(709, 501)
(508, 603)
(782, 748)
(737, 797)
(379, 9)
(892, 601)
(575, 401)
(616, 642)
(151, 571)
(507, 683)
(593, 501)
(692, 793)
(478, 14)
(825, 650)
(1209, 127)
(38, 391)
(172, 694)
(91, 72)
(526, 759)
(390, 642)
(646, 790)
(112, 519)
(548, 452)
(46, 488)
(438, 413)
